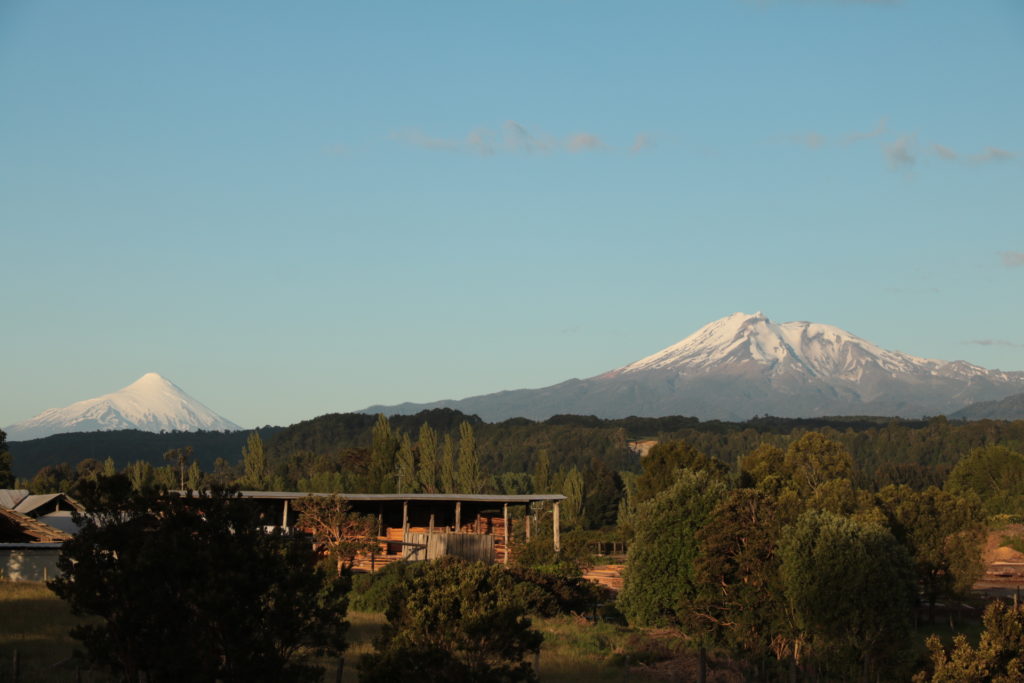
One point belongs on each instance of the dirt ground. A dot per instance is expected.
(1004, 567)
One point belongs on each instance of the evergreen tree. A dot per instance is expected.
(191, 588)
(850, 587)
(449, 479)
(254, 460)
(660, 566)
(454, 621)
(178, 457)
(194, 477)
(109, 468)
(574, 499)
(996, 474)
(943, 533)
(6, 476)
(407, 482)
(470, 478)
(999, 656)
(739, 603)
(427, 448)
(384, 446)
(542, 474)
(141, 475)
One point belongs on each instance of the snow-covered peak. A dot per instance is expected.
(810, 348)
(151, 403)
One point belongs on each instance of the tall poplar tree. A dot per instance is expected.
(254, 460)
(470, 479)
(542, 474)
(449, 483)
(381, 474)
(427, 469)
(6, 476)
(406, 458)
(574, 499)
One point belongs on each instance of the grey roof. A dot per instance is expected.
(9, 498)
(30, 503)
(17, 524)
(411, 497)
(60, 520)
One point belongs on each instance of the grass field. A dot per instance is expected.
(35, 622)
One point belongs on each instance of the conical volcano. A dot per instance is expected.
(150, 404)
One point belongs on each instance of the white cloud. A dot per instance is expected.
(945, 152)
(513, 137)
(583, 141)
(1012, 259)
(994, 342)
(900, 153)
(417, 138)
(875, 132)
(992, 154)
(641, 142)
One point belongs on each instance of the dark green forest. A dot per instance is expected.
(441, 450)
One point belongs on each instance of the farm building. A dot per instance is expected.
(28, 547)
(422, 526)
(51, 508)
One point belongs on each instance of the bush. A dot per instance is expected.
(454, 621)
(370, 592)
(548, 594)
(192, 588)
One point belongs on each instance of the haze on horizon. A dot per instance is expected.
(299, 211)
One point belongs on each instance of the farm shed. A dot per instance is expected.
(28, 548)
(54, 509)
(415, 526)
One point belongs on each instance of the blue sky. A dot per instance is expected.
(294, 209)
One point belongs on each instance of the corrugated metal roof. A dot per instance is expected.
(17, 524)
(441, 497)
(9, 498)
(36, 500)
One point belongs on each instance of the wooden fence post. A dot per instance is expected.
(505, 559)
(555, 528)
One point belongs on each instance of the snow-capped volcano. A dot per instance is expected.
(813, 349)
(150, 404)
(745, 365)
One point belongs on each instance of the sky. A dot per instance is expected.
(291, 209)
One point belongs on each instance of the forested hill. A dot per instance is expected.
(884, 449)
(126, 446)
(917, 452)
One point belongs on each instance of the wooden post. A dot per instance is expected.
(380, 519)
(284, 517)
(529, 514)
(505, 559)
(431, 522)
(554, 527)
(458, 515)
(405, 516)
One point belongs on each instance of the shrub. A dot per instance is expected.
(454, 621)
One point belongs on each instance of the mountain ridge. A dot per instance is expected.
(745, 365)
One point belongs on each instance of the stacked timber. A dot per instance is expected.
(609, 575)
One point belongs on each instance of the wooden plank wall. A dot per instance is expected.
(481, 539)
